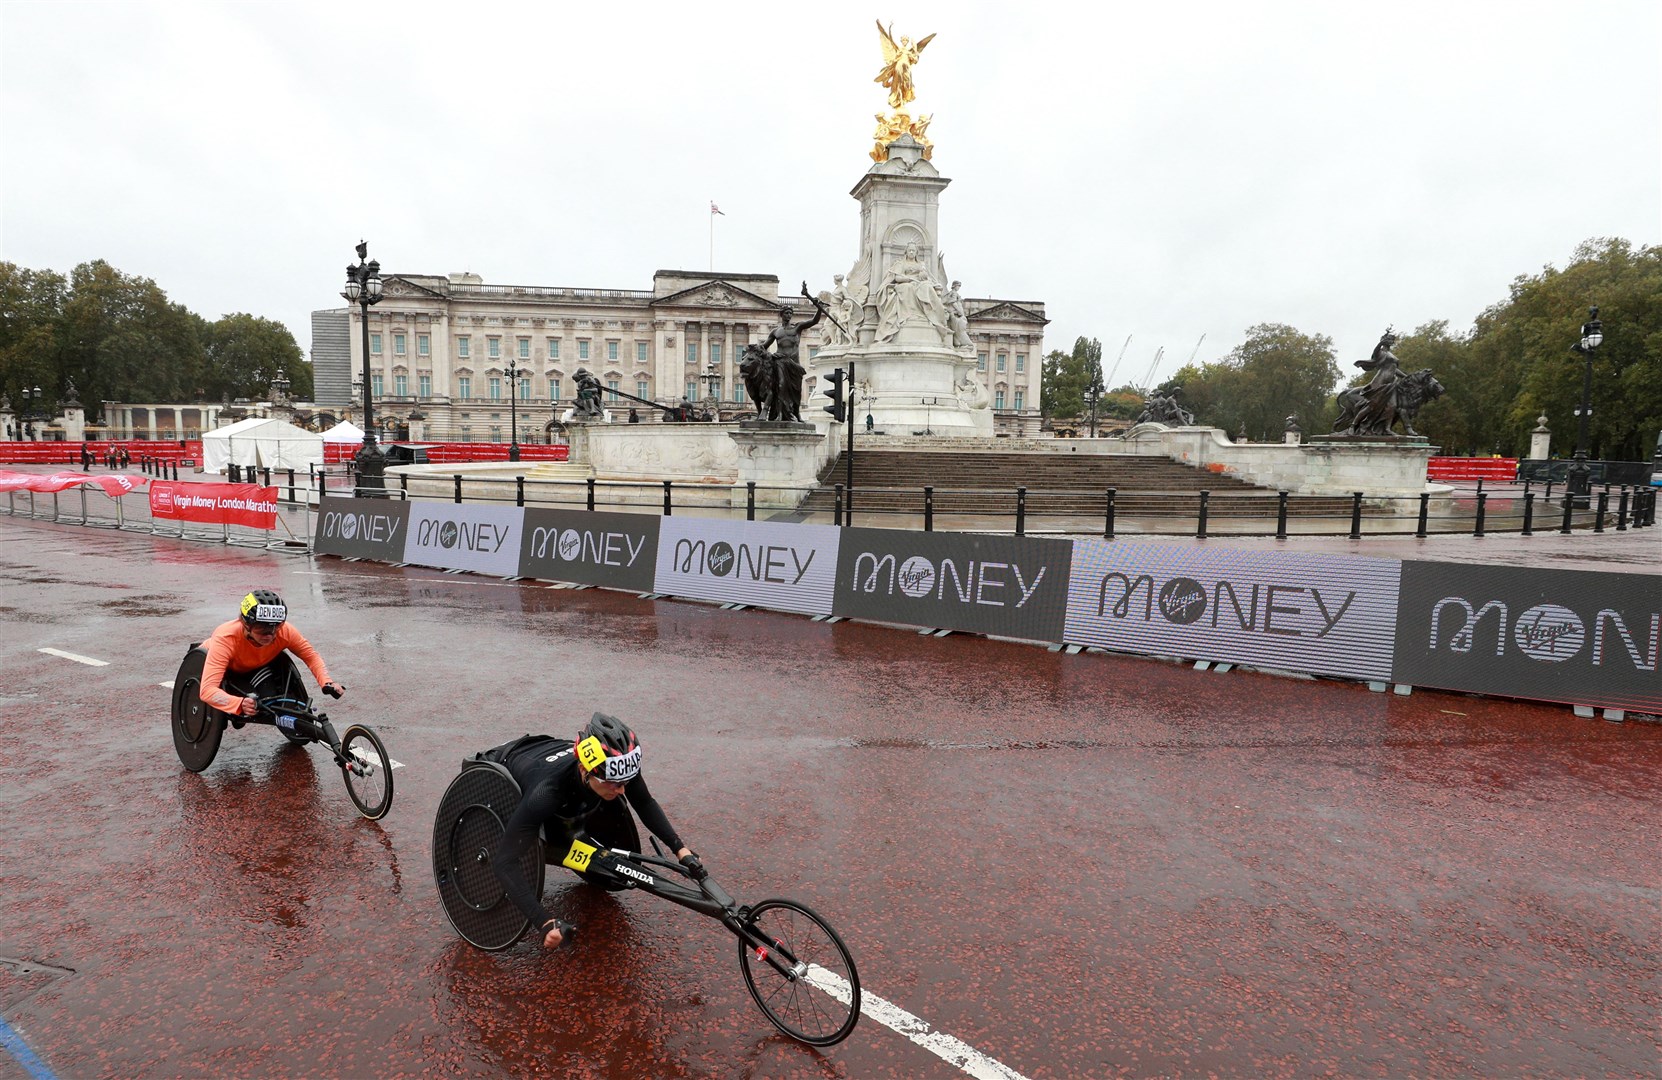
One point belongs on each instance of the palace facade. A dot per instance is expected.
(441, 349)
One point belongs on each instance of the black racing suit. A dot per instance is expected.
(552, 793)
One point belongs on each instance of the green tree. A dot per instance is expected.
(244, 353)
(1065, 376)
(1453, 422)
(31, 308)
(1276, 372)
(123, 340)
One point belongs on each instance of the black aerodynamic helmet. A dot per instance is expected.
(262, 607)
(609, 749)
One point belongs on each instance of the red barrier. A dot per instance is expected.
(69, 453)
(446, 453)
(1444, 469)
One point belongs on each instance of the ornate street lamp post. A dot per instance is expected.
(712, 386)
(1580, 476)
(513, 373)
(30, 414)
(363, 287)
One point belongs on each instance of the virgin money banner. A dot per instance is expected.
(770, 564)
(483, 537)
(1014, 586)
(1576, 636)
(214, 504)
(362, 528)
(113, 486)
(618, 551)
(1321, 614)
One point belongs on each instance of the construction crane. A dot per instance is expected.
(1148, 380)
(1109, 383)
(1196, 352)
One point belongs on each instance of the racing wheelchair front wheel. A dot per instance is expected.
(197, 726)
(467, 833)
(800, 973)
(367, 771)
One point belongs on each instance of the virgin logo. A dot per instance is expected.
(164, 497)
(1550, 633)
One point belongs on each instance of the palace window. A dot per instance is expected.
(1001, 359)
(583, 349)
(525, 348)
(1018, 399)
(642, 389)
(494, 347)
(375, 343)
(375, 383)
(692, 390)
(398, 344)
(462, 347)
(495, 384)
(401, 385)
(998, 400)
(611, 389)
(553, 348)
(553, 389)
(981, 361)
(611, 350)
(424, 344)
(1021, 364)
(464, 387)
(640, 352)
(424, 385)
(715, 352)
(692, 352)
(738, 392)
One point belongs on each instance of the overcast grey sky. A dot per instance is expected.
(1155, 170)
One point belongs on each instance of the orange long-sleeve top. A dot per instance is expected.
(230, 650)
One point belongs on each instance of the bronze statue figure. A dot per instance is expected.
(588, 396)
(774, 380)
(1162, 408)
(1390, 397)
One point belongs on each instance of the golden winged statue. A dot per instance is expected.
(898, 60)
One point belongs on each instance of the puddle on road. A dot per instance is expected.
(27, 616)
(896, 742)
(142, 606)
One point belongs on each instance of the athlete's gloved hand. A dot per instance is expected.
(333, 689)
(557, 931)
(694, 867)
(249, 706)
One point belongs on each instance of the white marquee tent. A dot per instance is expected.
(263, 442)
(344, 432)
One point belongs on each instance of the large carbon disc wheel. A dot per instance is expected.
(367, 772)
(610, 826)
(197, 727)
(816, 998)
(466, 835)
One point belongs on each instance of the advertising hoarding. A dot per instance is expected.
(618, 551)
(1320, 614)
(1014, 586)
(465, 536)
(362, 528)
(1576, 636)
(768, 564)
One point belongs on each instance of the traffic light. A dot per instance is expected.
(834, 390)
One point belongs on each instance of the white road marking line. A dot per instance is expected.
(78, 658)
(972, 1061)
(363, 756)
(168, 684)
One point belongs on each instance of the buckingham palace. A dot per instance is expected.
(441, 349)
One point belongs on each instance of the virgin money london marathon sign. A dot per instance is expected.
(362, 528)
(766, 563)
(465, 536)
(619, 551)
(1577, 636)
(1009, 585)
(1321, 614)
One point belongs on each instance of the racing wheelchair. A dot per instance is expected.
(198, 728)
(796, 967)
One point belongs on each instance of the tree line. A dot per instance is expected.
(1515, 365)
(103, 335)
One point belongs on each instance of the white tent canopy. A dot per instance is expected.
(344, 432)
(262, 442)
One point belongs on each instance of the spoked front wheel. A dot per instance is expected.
(367, 771)
(800, 973)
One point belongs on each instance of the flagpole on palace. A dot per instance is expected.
(714, 210)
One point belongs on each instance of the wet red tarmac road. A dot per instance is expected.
(1079, 865)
